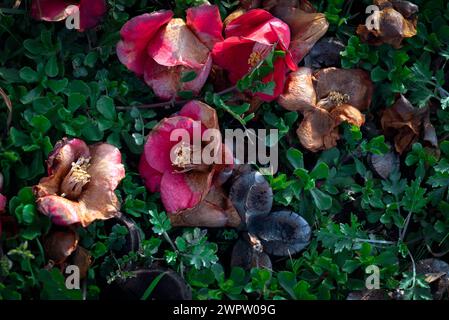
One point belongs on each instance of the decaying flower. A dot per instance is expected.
(397, 19)
(162, 49)
(407, 125)
(81, 182)
(326, 98)
(189, 189)
(248, 40)
(90, 11)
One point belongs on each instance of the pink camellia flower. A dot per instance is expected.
(90, 11)
(249, 39)
(162, 49)
(81, 182)
(190, 190)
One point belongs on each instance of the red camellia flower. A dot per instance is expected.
(189, 190)
(162, 48)
(81, 182)
(90, 11)
(249, 39)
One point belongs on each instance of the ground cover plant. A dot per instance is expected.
(91, 91)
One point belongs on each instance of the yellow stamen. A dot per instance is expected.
(254, 58)
(183, 156)
(76, 179)
(338, 98)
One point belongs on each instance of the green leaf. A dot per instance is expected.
(105, 105)
(29, 75)
(188, 76)
(321, 171)
(152, 286)
(51, 68)
(41, 123)
(322, 201)
(296, 158)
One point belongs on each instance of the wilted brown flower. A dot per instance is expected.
(81, 182)
(397, 19)
(406, 125)
(326, 98)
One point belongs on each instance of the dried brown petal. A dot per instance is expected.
(347, 113)
(393, 26)
(83, 260)
(355, 83)
(299, 93)
(317, 130)
(60, 244)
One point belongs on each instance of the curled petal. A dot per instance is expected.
(214, 211)
(176, 45)
(299, 93)
(199, 111)
(91, 12)
(260, 26)
(61, 211)
(205, 22)
(49, 10)
(393, 26)
(347, 113)
(59, 163)
(151, 177)
(306, 29)
(317, 130)
(136, 34)
(59, 245)
(355, 83)
(180, 191)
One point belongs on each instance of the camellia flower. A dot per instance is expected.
(249, 39)
(326, 98)
(396, 20)
(162, 49)
(81, 182)
(90, 11)
(190, 190)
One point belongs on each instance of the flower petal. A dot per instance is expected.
(299, 93)
(3, 201)
(180, 191)
(205, 22)
(60, 210)
(199, 111)
(260, 26)
(278, 77)
(317, 130)
(306, 29)
(91, 12)
(151, 177)
(59, 245)
(98, 201)
(356, 83)
(49, 10)
(59, 163)
(136, 34)
(175, 45)
(216, 210)
(347, 113)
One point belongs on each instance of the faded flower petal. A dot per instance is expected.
(306, 29)
(317, 130)
(215, 210)
(91, 12)
(299, 93)
(407, 124)
(355, 83)
(151, 177)
(176, 45)
(49, 10)
(205, 22)
(60, 244)
(393, 25)
(61, 211)
(136, 34)
(347, 113)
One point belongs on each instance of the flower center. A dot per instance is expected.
(76, 179)
(254, 58)
(338, 98)
(183, 156)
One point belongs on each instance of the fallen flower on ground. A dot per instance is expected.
(397, 19)
(326, 98)
(90, 11)
(164, 49)
(407, 124)
(81, 182)
(187, 188)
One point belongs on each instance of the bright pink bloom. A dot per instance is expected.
(91, 11)
(249, 38)
(81, 182)
(162, 48)
(183, 184)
